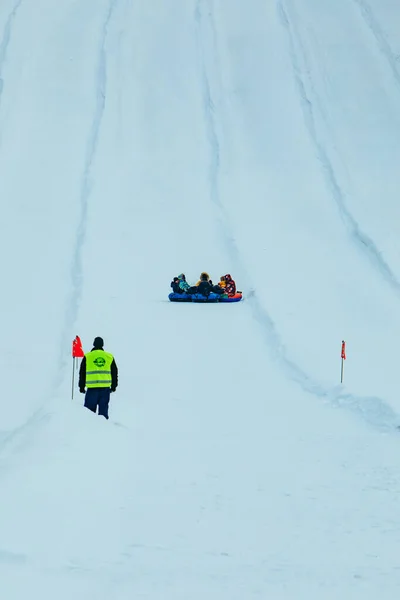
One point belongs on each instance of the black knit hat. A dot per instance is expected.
(98, 343)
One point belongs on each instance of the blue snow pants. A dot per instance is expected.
(98, 397)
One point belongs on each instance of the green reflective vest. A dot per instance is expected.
(98, 369)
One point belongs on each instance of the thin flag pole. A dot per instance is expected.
(343, 356)
(73, 376)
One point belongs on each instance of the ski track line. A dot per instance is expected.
(14, 440)
(13, 436)
(361, 239)
(373, 410)
(18, 435)
(209, 111)
(211, 126)
(85, 192)
(380, 38)
(5, 41)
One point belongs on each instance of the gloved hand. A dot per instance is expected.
(113, 388)
(82, 390)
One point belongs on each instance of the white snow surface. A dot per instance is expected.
(143, 139)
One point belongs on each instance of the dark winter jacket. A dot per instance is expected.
(176, 287)
(82, 373)
(179, 284)
(204, 288)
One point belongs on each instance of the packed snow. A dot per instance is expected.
(139, 140)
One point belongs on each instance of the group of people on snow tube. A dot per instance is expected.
(226, 286)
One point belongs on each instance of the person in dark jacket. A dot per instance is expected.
(179, 284)
(175, 286)
(99, 374)
(205, 286)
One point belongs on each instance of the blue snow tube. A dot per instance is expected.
(210, 298)
(180, 297)
(173, 297)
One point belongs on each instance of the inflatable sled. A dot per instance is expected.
(179, 297)
(212, 298)
(236, 298)
(200, 298)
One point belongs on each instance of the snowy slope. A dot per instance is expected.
(337, 277)
(139, 140)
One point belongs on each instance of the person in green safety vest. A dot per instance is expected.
(99, 375)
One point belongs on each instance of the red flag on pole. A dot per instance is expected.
(343, 357)
(77, 350)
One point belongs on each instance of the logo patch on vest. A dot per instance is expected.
(99, 362)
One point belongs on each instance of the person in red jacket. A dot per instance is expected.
(230, 285)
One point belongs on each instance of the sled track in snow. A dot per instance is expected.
(202, 7)
(360, 238)
(85, 191)
(373, 410)
(5, 41)
(18, 437)
(380, 38)
(10, 440)
(209, 111)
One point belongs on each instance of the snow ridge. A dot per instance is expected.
(208, 56)
(209, 112)
(86, 185)
(206, 40)
(373, 410)
(20, 437)
(380, 38)
(5, 40)
(359, 237)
